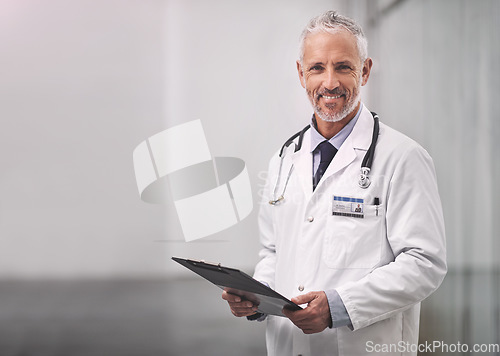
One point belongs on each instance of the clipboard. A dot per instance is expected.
(234, 281)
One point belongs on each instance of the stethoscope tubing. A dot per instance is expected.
(368, 159)
(366, 165)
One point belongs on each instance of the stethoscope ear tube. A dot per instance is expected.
(366, 165)
(298, 146)
(364, 182)
(368, 159)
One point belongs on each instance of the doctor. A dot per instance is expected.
(358, 259)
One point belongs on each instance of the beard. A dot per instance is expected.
(331, 115)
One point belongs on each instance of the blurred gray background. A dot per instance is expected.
(85, 265)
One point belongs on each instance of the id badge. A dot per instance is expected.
(347, 206)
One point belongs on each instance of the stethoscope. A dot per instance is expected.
(363, 182)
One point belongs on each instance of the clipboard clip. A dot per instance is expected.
(207, 265)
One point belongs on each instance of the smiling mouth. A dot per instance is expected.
(332, 97)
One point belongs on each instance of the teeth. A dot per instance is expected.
(332, 97)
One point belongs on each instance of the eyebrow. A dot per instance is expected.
(346, 62)
(343, 62)
(315, 64)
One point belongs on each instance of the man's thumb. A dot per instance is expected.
(304, 298)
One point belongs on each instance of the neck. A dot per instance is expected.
(330, 129)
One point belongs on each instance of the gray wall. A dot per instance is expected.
(81, 83)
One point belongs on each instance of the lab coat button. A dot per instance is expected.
(310, 218)
(301, 288)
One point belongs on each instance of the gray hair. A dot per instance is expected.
(331, 21)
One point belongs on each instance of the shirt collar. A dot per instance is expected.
(339, 138)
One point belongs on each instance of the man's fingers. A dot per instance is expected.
(239, 307)
(242, 305)
(242, 310)
(315, 317)
(231, 297)
(236, 301)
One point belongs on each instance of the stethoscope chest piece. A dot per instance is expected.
(364, 181)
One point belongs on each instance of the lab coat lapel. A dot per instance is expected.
(359, 139)
(363, 131)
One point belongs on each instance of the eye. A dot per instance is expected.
(316, 68)
(343, 67)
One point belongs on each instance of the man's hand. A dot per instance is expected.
(239, 307)
(315, 317)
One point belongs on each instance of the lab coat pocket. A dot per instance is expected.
(354, 242)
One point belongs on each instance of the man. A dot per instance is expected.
(358, 259)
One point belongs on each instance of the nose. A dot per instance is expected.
(331, 80)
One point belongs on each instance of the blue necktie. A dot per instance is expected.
(327, 152)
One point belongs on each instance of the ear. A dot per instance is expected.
(367, 67)
(301, 74)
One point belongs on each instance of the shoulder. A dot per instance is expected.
(402, 153)
(397, 142)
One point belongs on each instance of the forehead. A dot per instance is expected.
(337, 45)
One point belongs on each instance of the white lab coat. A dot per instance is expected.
(382, 265)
